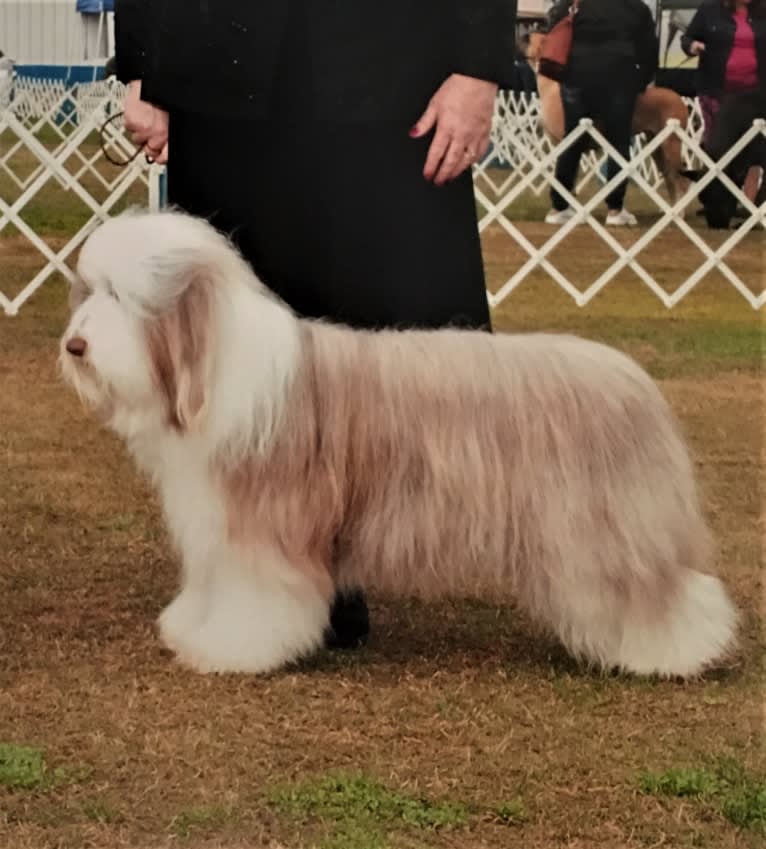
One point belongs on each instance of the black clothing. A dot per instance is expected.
(734, 119)
(337, 220)
(612, 111)
(714, 26)
(370, 60)
(614, 40)
(614, 57)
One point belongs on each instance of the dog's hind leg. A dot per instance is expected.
(631, 606)
(695, 629)
(262, 612)
(669, 159)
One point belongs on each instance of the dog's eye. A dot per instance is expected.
(78, 294)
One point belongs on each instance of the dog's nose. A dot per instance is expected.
(77, 346)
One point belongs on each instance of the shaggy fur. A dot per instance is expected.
(654, 108)
(295, 457)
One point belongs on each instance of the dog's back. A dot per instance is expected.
(544, 467)
(449, 460)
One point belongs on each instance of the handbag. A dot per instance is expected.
(554, 56)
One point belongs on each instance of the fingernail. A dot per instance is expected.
(414, 132)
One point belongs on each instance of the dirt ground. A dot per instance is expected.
(458, 726)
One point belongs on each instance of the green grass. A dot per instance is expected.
(511, 813)
(687, 349)
(746, 807)
(340, 796)
(26, 768)
(22, 767)
(726, 787)
(354, 811)
(362, 811)
(679, 782)
(350, 835)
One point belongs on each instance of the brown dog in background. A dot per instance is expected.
(654, 108)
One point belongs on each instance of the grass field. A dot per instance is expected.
(459, 726)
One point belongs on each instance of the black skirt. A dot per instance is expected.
(336, 218)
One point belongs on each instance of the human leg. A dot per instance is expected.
(615, 116)
(568, 162)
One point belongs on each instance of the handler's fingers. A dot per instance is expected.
(436, 153)
(457, 159)
(139, 116)
(139, 139)
(157, 140)
(426, 122)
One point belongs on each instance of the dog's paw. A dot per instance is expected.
(221, 647)
(182, 616)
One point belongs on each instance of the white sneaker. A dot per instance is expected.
(560, 216)
(623, 218)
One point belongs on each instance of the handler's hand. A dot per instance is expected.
(147, 124)
(461, 110)
(697, 48)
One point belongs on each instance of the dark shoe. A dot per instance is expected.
(349, 621)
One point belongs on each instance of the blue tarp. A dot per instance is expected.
(93, 7)
(69, 74)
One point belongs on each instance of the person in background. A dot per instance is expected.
(614, 57)
(334, 143)
(729, 37)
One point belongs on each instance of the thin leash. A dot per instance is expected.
(125, 161)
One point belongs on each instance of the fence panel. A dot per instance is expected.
(49, 146)
(529, 158)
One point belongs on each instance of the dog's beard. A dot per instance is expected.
(94, 393)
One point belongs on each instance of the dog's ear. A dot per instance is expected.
(180, 346)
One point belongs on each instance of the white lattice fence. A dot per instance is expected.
(47, 135)
(535, 168)
(529, 158)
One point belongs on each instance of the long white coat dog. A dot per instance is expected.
(295, 457)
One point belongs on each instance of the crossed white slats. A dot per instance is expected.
(635, 170)
(526, 156)
(59, 111)
(518, 117)
(53, 163)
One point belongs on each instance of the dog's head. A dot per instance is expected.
(139, 341)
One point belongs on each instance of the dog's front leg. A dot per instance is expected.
(260, 612)
(189, 608)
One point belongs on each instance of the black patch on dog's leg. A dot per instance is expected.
(349, 621)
